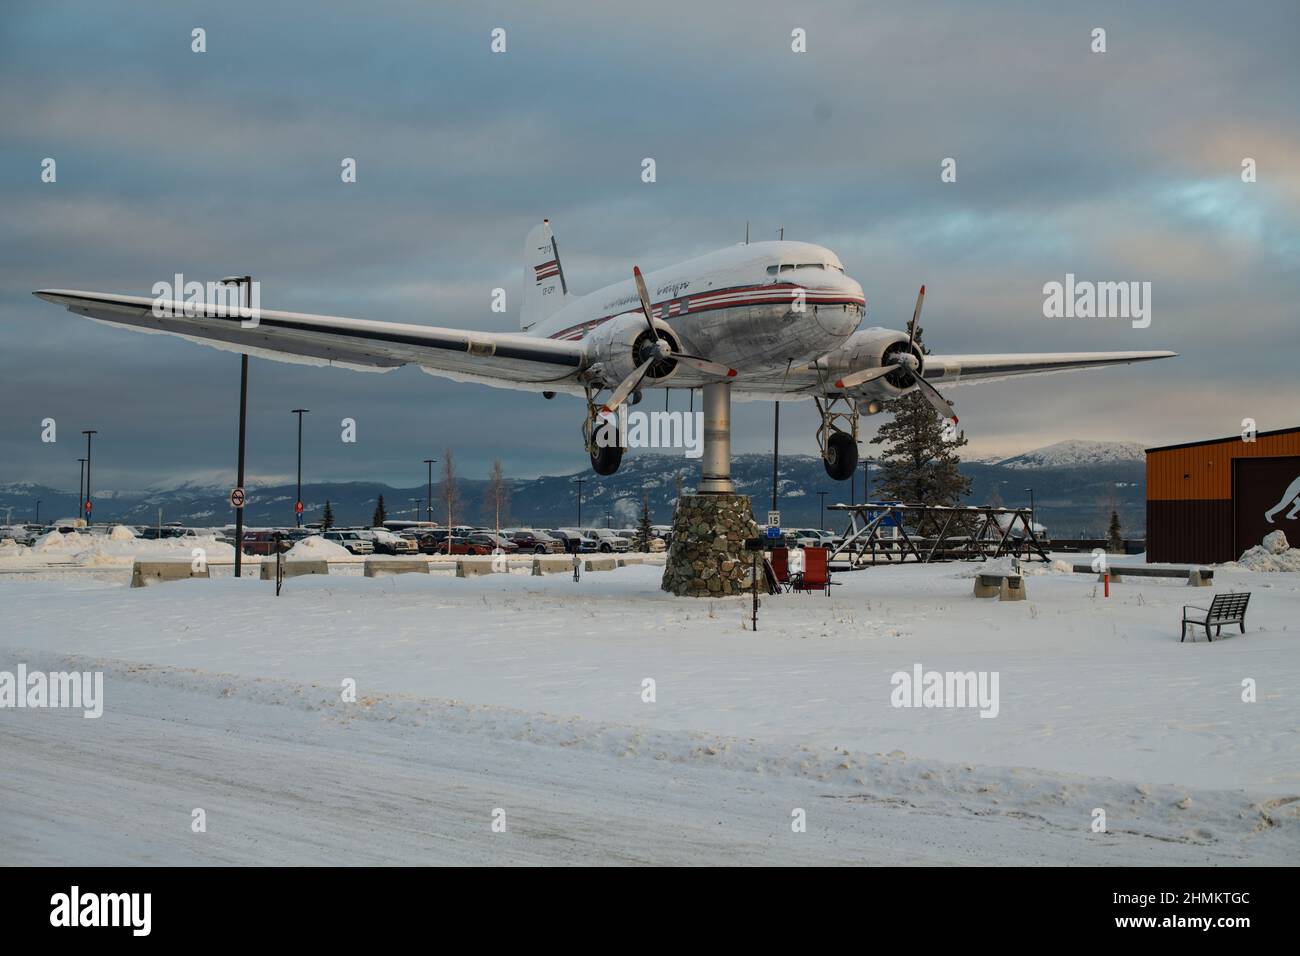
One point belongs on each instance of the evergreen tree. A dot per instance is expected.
(1114, 538)
(919, 464)
(643, 530)
(327, 519)
(380, 515)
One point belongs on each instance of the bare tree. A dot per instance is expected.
(450, 491)
(496, 497)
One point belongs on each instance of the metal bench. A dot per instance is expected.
(1224, 609)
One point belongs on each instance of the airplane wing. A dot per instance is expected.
(958, 369)
(503, 359)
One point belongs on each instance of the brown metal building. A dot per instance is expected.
(1209, 501)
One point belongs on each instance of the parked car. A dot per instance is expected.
(432, 541)
(811, 538)
(385, 542)
(533, 541)
(350, 540)
(607, 540)
(495, 542)
(459, 545)
(570, 536)
(264, 542)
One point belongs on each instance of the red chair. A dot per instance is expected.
(816, 571)
(780, 565)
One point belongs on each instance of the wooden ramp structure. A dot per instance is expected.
(892, 533)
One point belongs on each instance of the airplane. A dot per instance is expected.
(777, 320)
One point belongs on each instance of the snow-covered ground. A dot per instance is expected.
(526, 694)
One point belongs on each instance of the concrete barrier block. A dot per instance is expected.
(293, 569)
(627, 559)
(144, 573)
(553, 564)
(1012, 588)
(988, 585)
(604, 563)
(477, 567)
(378, 567)
(1199, 579)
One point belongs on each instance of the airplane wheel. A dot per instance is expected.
(605, 461)
(841, 456)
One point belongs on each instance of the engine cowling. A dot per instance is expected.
(619, 346)
(873, 348)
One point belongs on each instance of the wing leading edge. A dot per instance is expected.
(956, 369)
(505, 359)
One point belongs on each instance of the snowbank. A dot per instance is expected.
(119, 547)
(317, 548)
(121, 532)
(1274, 554)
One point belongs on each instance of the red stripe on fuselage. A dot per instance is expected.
(721, 299)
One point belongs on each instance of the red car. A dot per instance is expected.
(461, 546)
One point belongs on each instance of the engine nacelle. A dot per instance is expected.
(872, 348)
(620, 345)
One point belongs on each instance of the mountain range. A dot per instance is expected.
(1075, 484)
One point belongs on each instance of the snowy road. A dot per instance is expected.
(524, 694)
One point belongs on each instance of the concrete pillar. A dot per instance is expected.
(716, 477)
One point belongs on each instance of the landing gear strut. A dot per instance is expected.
(605, 458)
(839, 447)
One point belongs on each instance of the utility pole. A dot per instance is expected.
(297, 507)
(776, 441)
(579, 482)
(429, 490)
(866, 479)
(245, 282)
(1031, 506)
(822, 495)
(87, 505)
(38, 510)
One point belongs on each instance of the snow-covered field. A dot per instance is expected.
(525, 694)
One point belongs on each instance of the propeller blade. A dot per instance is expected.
(934, 398)
(862, 376)
(628, 385)
(704, 365)
(645, 301)
(916, 315)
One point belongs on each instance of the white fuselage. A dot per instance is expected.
(754, 306)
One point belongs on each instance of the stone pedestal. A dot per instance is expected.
(707, 557)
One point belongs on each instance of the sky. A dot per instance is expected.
(1117, 166)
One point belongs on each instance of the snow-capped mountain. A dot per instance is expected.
(1075, 452)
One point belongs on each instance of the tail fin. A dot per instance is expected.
(545, 290)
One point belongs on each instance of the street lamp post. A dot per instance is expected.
(822, 495)
(81, 488)
(38, 510)
(244, 282)
(579, 482)
(297, 507)
(87, 504)
(429, 490)
(415, 509)
(1031, 506)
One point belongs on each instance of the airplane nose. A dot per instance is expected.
(840, 318)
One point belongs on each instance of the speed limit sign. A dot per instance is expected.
(236, 497)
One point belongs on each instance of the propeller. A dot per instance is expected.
(662, 351)
(907, 363)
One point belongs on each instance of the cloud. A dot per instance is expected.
(1116, 166)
